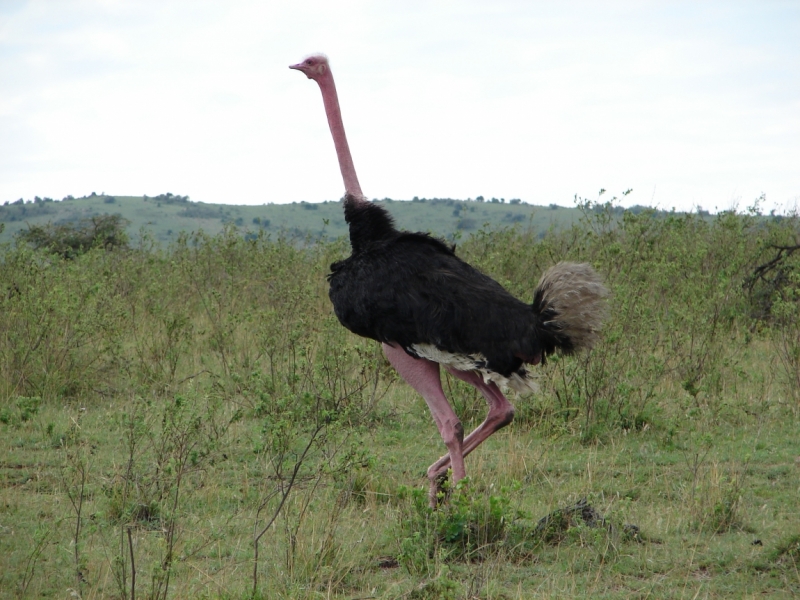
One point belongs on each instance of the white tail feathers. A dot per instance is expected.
(572, 301)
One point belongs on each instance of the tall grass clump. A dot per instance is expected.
(58, 319)
(785, 312)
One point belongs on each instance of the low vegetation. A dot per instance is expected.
(190, 421)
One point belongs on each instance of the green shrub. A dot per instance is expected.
(69, 240)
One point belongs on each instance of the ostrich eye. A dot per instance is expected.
(308, 61)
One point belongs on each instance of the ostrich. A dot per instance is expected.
(428, 307)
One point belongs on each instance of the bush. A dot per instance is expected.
(69, 240)
(468, 526)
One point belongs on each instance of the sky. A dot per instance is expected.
(689, 104)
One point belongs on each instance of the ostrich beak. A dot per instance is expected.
(301, 67)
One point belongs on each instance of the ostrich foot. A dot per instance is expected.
(442, 484)
(439, 491)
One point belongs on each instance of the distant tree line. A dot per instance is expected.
(36, 200)
(168, 198)
(20, 210)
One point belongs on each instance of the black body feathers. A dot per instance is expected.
(411, 288)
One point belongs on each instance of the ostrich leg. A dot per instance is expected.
(423, 376)
(501, 413)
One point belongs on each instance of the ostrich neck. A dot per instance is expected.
(331, 101)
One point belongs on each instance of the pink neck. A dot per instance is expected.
(331, 101)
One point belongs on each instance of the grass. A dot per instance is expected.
(193, 422)
(647, 478)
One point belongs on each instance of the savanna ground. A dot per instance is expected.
(193, 422)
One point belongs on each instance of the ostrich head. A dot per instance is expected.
(315, 66)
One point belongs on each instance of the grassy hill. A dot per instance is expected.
(165, 216)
